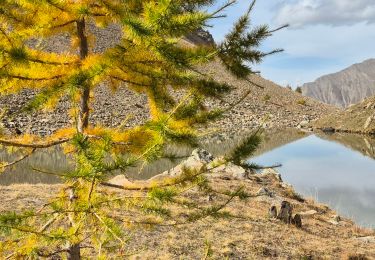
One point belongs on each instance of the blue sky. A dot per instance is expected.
(325, 36)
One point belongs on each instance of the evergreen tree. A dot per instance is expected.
(148, 59)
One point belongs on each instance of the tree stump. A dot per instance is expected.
(285, 213)
(297, 220)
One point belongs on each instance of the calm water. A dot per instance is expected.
(338, 169)
(331, 173)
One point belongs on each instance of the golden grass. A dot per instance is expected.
(253, 236)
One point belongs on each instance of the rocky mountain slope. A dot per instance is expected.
(346, 87)
(269, 105)
(359, 118)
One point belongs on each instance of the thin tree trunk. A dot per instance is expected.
(74, 250)
(83, 118)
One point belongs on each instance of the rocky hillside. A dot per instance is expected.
(346, 87)
(268, 104)
(359, 118)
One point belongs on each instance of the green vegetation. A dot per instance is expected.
(85, 220)
(266, 98)
(302, 102)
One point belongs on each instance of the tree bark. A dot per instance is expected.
(74, 250)
(83, 118)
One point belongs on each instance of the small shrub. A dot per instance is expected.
(299, 90)
(266, 98)
(301, 102)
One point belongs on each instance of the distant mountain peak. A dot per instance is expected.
(346, 87)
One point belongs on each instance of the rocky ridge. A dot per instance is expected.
(358, 118)
(344, 88)
(269, 105)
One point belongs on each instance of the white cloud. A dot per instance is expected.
(321, 47)
(300, 13)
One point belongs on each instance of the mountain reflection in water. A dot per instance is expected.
(337, 169)
(331, 173)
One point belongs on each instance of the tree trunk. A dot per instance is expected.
(83, 118)
(74, 250)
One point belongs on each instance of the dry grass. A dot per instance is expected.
(253, 236)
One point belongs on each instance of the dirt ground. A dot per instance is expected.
(253, 236)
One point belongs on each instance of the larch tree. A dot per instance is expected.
(85, 219)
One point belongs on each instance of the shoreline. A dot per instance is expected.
(323, 234)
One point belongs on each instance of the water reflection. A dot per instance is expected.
(331, 173)
(52, 159)
(335, 169)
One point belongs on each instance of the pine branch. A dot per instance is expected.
(34, 79)
(3, 166)
(34, 145)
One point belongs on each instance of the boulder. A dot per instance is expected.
(198, 160)
(237, 172)
(120, 180)
(304, 123)
(368, 239)
(264, 192)
(307, 214)
(272, 213)
(229, 171)
(273, 173)
(335, 220)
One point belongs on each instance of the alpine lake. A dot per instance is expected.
(335, 169)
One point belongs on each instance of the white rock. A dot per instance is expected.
(264, 192)
(120, 180)
(236, 171)
(272, 172)
(369, 121)
(309, 213)
(304, 123)
(369, 239)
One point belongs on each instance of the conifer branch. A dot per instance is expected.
(27, 230)
(63, 24)
(223, 7)
(34, 145)
(3, 166)
(278, 29)
(6, 36)
(34, 79)
(129, 81)
(109, 229)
